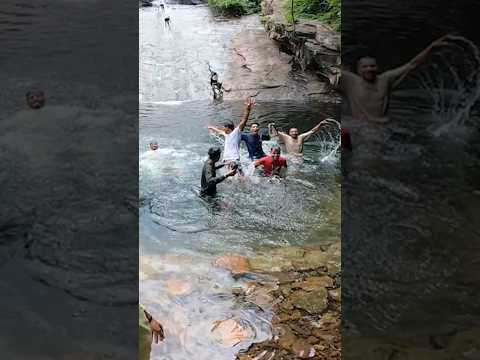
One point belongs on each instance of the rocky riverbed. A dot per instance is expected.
(305, 299)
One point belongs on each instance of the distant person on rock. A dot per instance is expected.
(35, 99)
(273, 164)
(294, 141)
(253, 140)
(217, 86)
(232, 135)
(368, 92)
(167, 21)
(210, 179)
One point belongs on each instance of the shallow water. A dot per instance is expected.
(254, 215)
(180, 233)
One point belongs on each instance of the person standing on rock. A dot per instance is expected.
(253, 140)
(209, 178)
(368, 92)
(232, 135)
(293, 141)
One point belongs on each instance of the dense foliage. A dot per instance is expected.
(235, 7)
(328, 11)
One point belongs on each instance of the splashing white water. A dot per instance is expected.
(453, 81)
(328, 140)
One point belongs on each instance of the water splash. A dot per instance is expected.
(452, 79)
(328, 141)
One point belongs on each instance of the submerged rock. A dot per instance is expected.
(230, 332)
(315, 282)
(177, 287)
(235, 263)
(314, 302)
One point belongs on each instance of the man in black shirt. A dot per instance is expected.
(209, 176)
(253, 140)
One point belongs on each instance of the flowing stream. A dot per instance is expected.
(180, 235)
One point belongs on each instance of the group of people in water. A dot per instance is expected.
(367, 93)
(273, 164)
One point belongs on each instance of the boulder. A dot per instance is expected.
(314, 302)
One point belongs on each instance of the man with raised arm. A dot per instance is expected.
(293, 141)
(368, 92)
(232, 134)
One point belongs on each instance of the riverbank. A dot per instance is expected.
(288, 63)
(305, 300)
(258, 67)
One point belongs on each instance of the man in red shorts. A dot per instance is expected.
(273, 164)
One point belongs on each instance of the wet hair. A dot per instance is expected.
(34, 92)
(276, 148)
(360, 57)
(214, 152)
(229, 125)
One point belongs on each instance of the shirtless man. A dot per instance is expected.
(368, 92)
(293, 141)
(232, 134)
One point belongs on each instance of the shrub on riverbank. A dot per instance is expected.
(235, 7)
(328, 11)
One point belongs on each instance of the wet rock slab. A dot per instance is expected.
(306, 322)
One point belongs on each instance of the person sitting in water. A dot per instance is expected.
(273, 164)
(293, 141)
(35, 99)
(232, 134)
(368, 92)
(210, 179)
(153, 145)
(253, 140)
(150, 330)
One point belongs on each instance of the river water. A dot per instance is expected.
(180, 235)
(409, 229)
